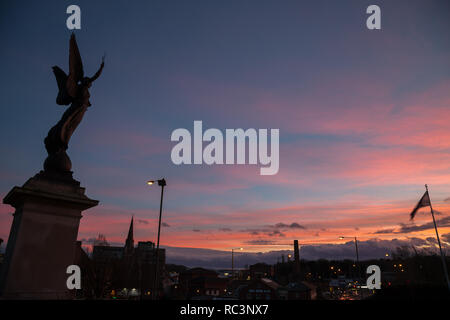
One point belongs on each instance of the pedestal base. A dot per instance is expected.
(43, 235)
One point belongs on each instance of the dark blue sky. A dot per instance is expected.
(362, 114)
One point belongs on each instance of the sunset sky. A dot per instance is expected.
(364, 116)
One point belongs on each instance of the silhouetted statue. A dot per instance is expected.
(73, 90)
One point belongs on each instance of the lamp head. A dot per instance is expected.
(161, 182)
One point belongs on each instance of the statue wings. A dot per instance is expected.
(69, 85)
(76, 72)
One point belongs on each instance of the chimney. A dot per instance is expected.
(296, 257)
(296, 253)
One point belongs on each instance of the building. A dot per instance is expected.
(107, 253)
(128, 271)
(200, 282)
(145, 252)
(260, 270)
(297, 291)
(257, 289)
(208, 286)
(268, 289)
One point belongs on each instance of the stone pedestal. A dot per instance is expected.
(43, 235)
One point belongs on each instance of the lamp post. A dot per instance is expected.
(232, 261)
(357, 258)
(162, 184)
(356, 246)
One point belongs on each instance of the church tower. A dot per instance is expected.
(129, 243)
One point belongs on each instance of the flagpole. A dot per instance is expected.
(444, 265)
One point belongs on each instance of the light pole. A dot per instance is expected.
(232, 261)
(356, 246)
(357, 259)
(162, 184)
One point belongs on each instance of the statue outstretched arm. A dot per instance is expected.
(99, 72)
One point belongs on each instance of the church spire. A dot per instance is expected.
(130, 231)
(129, 243)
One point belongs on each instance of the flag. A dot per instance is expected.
(423, 202)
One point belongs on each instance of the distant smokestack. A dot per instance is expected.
(296, 257)
(296, 252)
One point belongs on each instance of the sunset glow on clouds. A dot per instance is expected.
(363, 118)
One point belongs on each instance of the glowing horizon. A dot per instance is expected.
(363, 118)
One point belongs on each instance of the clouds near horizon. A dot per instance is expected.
(363, 118)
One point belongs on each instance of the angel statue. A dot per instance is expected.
(73, 90)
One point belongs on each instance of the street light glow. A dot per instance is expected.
(162, 184)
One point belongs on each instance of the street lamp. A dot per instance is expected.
(232, 261)
(162, 184)
(357, 258)
(356, 246)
